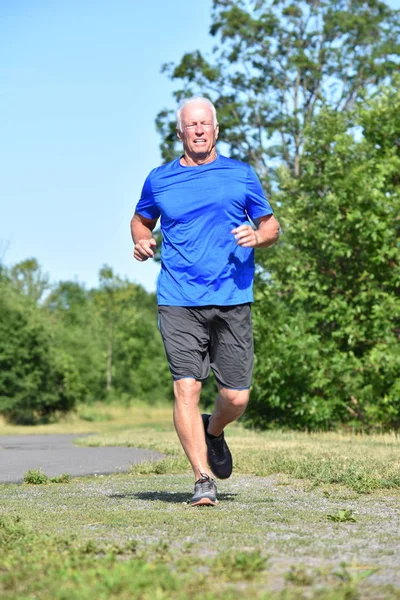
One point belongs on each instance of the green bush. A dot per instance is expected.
(327, 312)
(35, 477)
(37, 381)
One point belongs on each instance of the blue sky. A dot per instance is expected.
(80, 87)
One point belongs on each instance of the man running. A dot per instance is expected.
(204, 291)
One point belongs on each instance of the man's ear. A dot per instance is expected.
(178, 134)
(216, 132)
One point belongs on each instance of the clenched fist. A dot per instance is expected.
(246, 236)
(143, 249)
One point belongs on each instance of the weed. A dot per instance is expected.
(90, 547)
(299, 575)
(349, 581)
(162, 551)
(348, 575)
(11, 531)
(35, 477)
(131, 546)
(170, 464)
(161, 467)
(342, 516)
(63, 478)
(187, 547)
(239, 565)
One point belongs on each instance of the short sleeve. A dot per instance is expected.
(257, 205)
(146, 205)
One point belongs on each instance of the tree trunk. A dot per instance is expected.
(109, 360)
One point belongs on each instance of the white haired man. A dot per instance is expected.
(204, 290)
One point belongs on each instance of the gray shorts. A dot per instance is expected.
(220, 337)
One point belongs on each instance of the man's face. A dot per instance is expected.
(198, 134)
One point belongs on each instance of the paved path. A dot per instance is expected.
(56, 454)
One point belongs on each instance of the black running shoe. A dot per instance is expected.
(218, 454)
(205, 492)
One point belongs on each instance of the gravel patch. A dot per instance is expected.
(287, 523)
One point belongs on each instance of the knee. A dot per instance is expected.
(187, 390)
(237, 399)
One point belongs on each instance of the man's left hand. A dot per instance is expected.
(245, 236)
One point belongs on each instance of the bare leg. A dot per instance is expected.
(189, 425)
(229, 406)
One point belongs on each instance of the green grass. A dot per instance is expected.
(361, 463)
(128, 536)
(133, 535)
(96, 418)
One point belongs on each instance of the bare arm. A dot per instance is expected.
(265, 235)
(142, 236)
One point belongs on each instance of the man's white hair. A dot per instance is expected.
(194, 100)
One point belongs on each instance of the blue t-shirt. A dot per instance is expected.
(201, 263)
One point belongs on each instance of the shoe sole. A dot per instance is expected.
(204, 502)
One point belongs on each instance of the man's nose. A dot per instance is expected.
(199, 129)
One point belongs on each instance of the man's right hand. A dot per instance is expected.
(143, 249)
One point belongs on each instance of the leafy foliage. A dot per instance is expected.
(36, 380)
(37, 477)
(294, 87)
(327, 315)
(28, 278)
(343, 515)
(78, 331)
(75, 345)
(112, 332)
(276, 64)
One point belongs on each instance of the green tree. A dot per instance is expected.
(135, 356)
(27, 276)
(75, 345)
(110, 333)
(276, 63)
(36, 381)
(109, 285)
(327, 316)
(286, 77)
(78, 331)
(141, 369)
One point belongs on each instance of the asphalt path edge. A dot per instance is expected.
(56, 455)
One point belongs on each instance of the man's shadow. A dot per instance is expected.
(172, 497)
